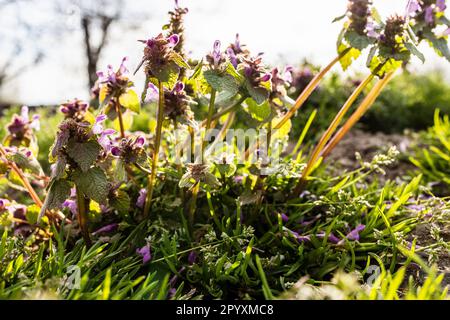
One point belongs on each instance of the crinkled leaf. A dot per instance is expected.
(62, 137)
(221, 82)
(26, 163)
(84, 154)
(356, 40)
(93, 183)
(59, 168)
(58, 192)
(258, 94)
(130, 100)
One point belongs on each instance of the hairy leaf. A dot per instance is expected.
(84, 154)
(58, 192)
(93, 183)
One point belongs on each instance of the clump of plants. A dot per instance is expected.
(207, 208)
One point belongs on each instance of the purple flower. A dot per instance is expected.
(72, 205)
(429, 15)
(152, 93)
(115, 151)
(413, 7)
(141, 199)
(216, 53)
(441, 5)
(331, 237)
(266, 77)
(354, 234)
(371, 30)
(232, 57)
(104, 139)
(145, 253)
(300, 238)
(192, 257)
(284, 218)
(446, 32)
(416, 207)
(107, 229)
(173, 40)
(97, 128)
(140, 141)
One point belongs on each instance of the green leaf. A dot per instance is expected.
(221, 82)
(120, 201)
(130, 100)
(258, 94)
(339, 18)
(84, 154)
(60, 167)
(349, 57)
(258, 112)
(178, 59)
(167, 74)
(440, 45)
(356, 40)
(26, 163)
(413, 49)
(58, 192)
(93, 183)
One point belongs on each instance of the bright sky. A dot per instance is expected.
(287, 31)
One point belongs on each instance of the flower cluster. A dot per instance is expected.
(75, 109)
(176, 26)
(237, 51)
(21, 127)
(158, 54)
(177, 103)
(359, 13)
(280, 81)
(216, 58)
(130, 150)
(426, 10)
(114, 83)
(394, 29)
(255, 72)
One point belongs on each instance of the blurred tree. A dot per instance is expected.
(95, 20)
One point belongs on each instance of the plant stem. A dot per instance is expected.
(159, 123)
(82, 217)
(212, 101)
(22, 178)
(196, 188)
(331, 129)
(359, 112)
(119, 114)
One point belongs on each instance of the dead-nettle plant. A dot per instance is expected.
(391, 44)
(96, 169)
(18, 153)
(116, 95)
